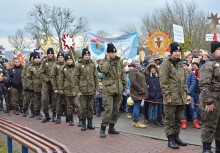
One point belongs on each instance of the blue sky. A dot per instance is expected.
(104, 15)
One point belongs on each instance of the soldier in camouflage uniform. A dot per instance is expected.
(113, 81)
(7, 84)
(16, 86)
(47, 91)
(27, 93)
(58, 96)
(86, 84)
(34, 84)
(65, 85)
(174, 89)
(4, 78)
(209, 82)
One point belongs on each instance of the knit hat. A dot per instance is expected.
(4, 60)
(174, 46)
(195, 63)
(50, 51)
(60, 54)
(214, 46)
(68, 56)
(111, 48)
(135, 60)
(36, 55)
(31, 55)
(185, 62)
(85, 51)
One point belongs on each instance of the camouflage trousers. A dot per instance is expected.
(28, 100)
(16, 97)
(86, 106)
(172, 118)
(47, 96)
(211, 126)
(71, 105)
(59, 100)
(111, 105)
(37, 101)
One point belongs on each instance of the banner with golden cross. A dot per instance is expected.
(158, 42)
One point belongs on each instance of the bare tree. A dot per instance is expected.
(20, 41)
(63, 20)
(54, 21)
(131, 27)
(186, 14)
(102, 33)
(40, 17)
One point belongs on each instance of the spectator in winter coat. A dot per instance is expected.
(195, 69)
(191, 83)
(138, 90)
(154, 94)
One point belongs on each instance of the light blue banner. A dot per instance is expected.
(126, 45)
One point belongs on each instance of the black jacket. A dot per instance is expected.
(154, 90)
(16, 78)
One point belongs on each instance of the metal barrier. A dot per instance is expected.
(29, 139)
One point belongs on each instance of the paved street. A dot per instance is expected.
(129, 140)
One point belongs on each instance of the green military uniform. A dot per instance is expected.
(209, 82)
(174, 88)
(86, 82)
(27, 94)
(55, 72)
(113, 82)
(34, 84)
(47, 91)
(65, 85)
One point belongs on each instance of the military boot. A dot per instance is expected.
(80, 122)
(90, 125)
(83, 125)
(171, 142)
(58, 121)
(207, 148)
(1, 105)
(112, 130)
(54, 117)
(16, 111)
(24, 112)
(102, 131)
(67, 118)
(71, 122)
(178, 141)
(32, 114)
(46, 118)
(39, 116)
(217, 146)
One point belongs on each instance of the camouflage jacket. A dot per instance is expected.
(33, 78)
(24, 75)
(55, 72)
(114, 76)
(45, 72)
(86, 78)
(209, 83)
(173, 81)
(4, 76)
(65, 81)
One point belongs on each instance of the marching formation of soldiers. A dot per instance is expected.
(65, 87)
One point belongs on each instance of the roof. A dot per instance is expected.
(1, 47)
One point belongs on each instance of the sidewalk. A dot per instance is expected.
(90, 142)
